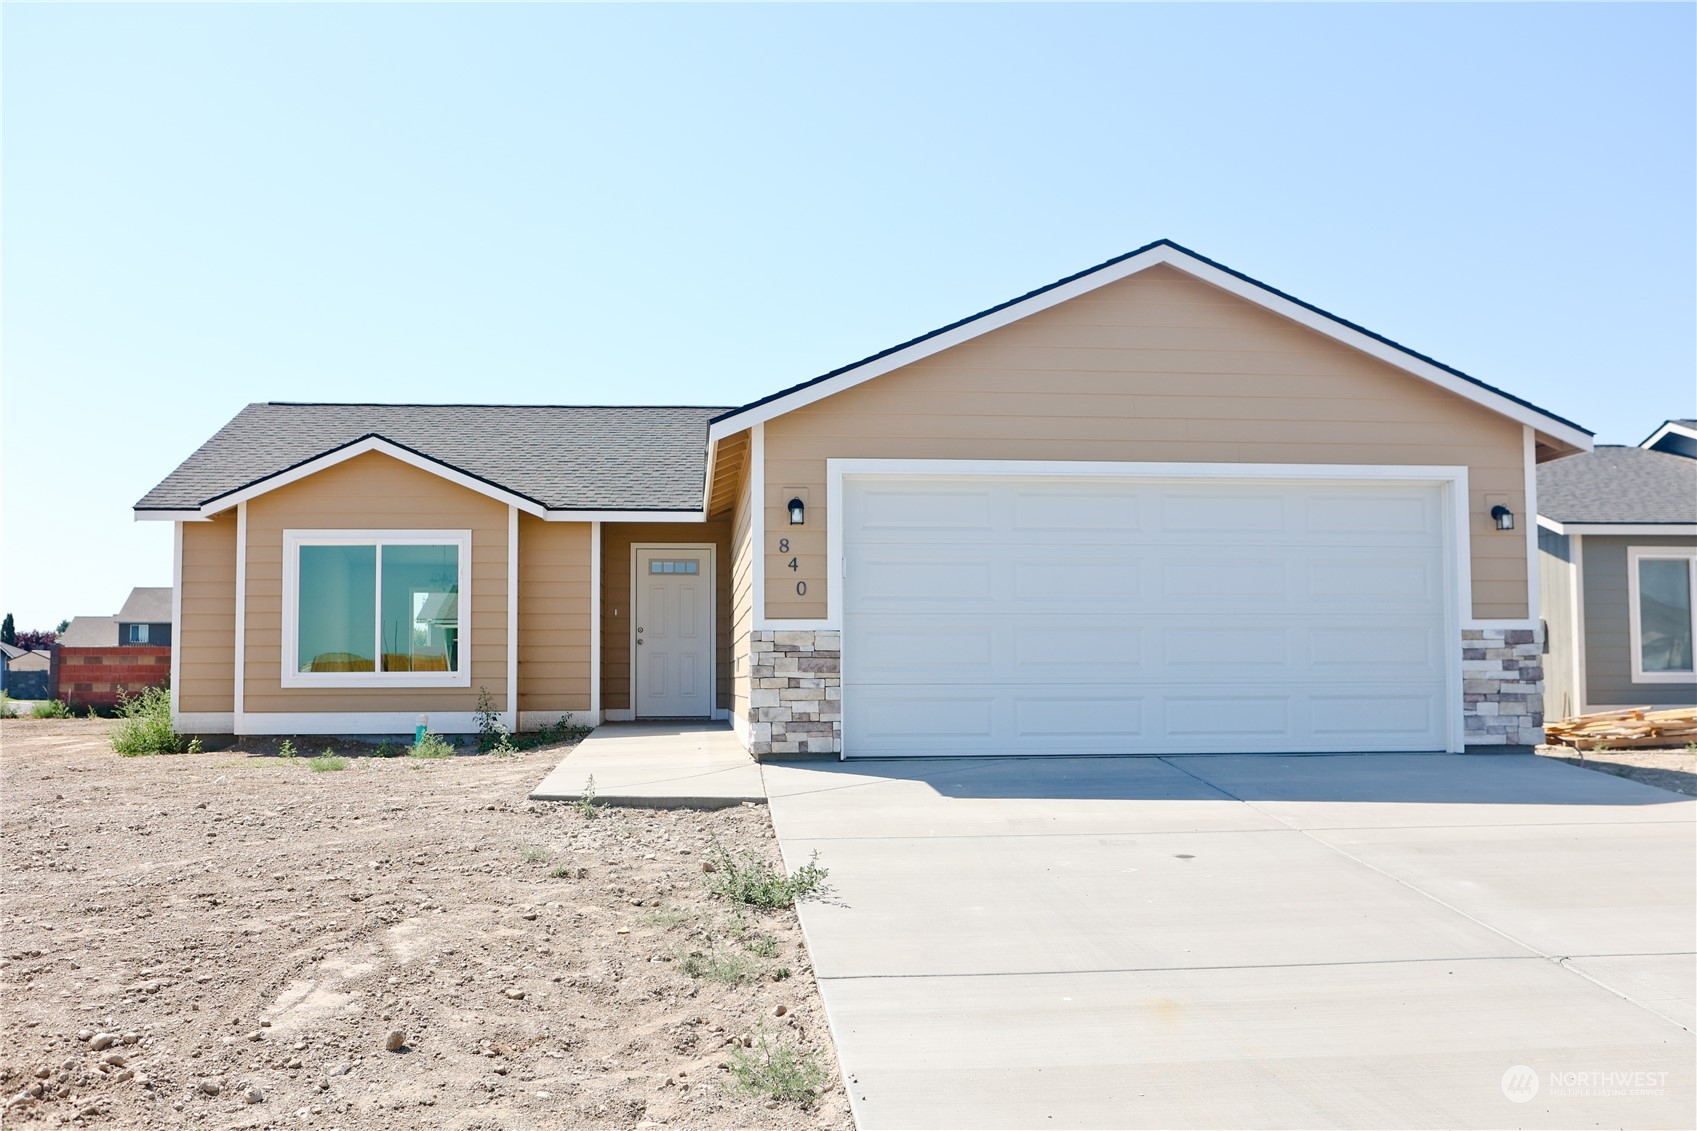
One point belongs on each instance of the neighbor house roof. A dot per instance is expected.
(1618, 486)
(12, 651)
(145, 605)
(1123, 266)
(1678, 437)
(90, 632)
(546, 457)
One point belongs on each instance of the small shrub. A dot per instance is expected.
(780, 974)
(727, 968)
(287, 750)
(144, 724)
(752, 881)
(387, 750)
(585, 806)
(779, 1070)
(327, 761)
(492, 737)
(561, 871)
(533, 854)
(431, 746)
(56, 709)
(195, 747)
(762, 946)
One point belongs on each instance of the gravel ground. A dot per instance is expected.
(1668, 769)
(247, 933)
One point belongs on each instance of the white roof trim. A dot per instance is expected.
(1635, 529)
(1113, 272)
(1673, 426)
(423, 463)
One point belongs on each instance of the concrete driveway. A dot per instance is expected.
(1255, 941)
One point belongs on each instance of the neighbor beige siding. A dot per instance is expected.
(554, 615)
(617, 539)
(1156, 367)
(373, 491)
(206, 639)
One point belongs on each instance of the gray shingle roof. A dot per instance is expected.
(1618, 484)
(147, 605)
(560, 457)
(90, 632)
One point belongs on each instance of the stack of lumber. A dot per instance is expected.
(1634, 726)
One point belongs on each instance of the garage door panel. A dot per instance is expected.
(876, 510)
(1260, 616)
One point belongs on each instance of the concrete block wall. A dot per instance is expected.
(1502, 686)
(795, 701)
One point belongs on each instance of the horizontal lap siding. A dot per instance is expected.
(616, 541)
(742, 596)
(1159, 367)
(1608, 628)
(205, 641)
(554, 615)
(375, 492)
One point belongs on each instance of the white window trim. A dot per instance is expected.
(132, 634)
(293, 540)
(1634, 555)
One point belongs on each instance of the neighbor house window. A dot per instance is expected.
(1660, 585)
(138, 634)
(376, 608)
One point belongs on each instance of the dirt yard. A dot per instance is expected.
(228, 939)
(1667, 769)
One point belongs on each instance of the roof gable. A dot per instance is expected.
(1676, 437)
(149, 605)
(1124, 266)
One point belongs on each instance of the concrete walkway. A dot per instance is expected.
(657, 765)
(1368, 941)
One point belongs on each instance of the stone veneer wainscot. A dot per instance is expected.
(1502, 688)
(795, 699)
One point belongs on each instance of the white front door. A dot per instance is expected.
(1059, 616)
(674, 632)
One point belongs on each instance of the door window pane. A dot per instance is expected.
(1664, 614)
(337, 630)
(421, 608)
(686, 566)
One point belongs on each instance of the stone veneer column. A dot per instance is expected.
(795, 699)
(1502, 688)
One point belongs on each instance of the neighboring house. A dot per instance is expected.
(1153, 507)
(90, 632)
(146, 617)
(1618, 531)
(25, 673)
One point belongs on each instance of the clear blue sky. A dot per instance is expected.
(210, 205)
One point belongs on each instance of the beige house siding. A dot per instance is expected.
(373, 491)
(1156, 367)
(205, 641)
(616, 541)
(554, 615)
(742, 595)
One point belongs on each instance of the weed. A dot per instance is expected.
(144, 724)
(287, 750)
(329, 760)
(752, 881)
(56, 709)
(533, 854)
(7, 705)
(667, 917)
(195, 747)
(431, 746)
(492, 737)
(724, 967)
(386, 749)
(585, 806)
(562, 871)
(779, 1070)
(1691, 747)
(780, 974)
(762, 946)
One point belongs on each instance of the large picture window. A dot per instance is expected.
(376, 608)
(1661, 584)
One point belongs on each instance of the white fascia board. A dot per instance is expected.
(625, 516)
(1243, 288)
(169, 516)
(1673, 427)
(1635, 529)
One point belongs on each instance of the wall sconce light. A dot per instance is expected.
(1504, 517)
(798, 512)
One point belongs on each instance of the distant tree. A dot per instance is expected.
(63, 625)
(8, 631)
(36, 639)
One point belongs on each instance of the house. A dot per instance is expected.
(1154, 506)
(1617, 531)
(90, 632)
(146, 617)
(24, 672)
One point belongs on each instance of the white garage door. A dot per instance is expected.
(1067, 616)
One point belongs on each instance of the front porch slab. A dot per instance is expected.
(657, 766)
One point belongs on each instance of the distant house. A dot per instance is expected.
(90, 632)
(1617, 535)
(146, 617)
(25, 672)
